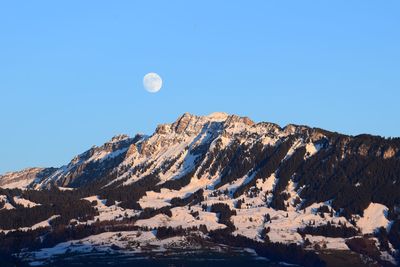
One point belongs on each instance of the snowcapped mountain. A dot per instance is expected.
(222, 179)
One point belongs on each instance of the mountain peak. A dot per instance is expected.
(119, 137)
(218, 116)
(189, 123)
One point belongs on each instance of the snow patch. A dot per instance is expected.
(104, 155)
(218, 116)
(312, 149)
(7, 204)
(182, 217)
(374, 217)
(113, 212)
(328, 242)
(24, 202)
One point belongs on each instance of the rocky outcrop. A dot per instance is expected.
(24, 178)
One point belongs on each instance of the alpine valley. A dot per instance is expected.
(210, 190)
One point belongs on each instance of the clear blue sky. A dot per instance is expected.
(71, 71)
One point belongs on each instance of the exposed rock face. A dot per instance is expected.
(25, 177)
(188, 135)
(389, 153)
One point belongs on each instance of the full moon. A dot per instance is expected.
(152, 82)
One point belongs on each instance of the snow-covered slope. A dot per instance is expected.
(291, 185)
(375, 216)
(24, 178)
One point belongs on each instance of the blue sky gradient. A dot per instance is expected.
(71, 72)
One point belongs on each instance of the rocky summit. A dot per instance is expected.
(212, 184)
